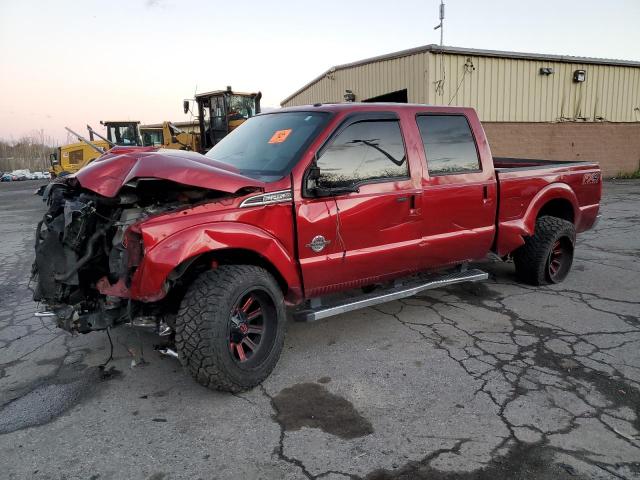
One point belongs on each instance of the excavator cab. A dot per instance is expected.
(221, 111)
(152, 136)
(122, 133)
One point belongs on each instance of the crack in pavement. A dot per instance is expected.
(515, 370)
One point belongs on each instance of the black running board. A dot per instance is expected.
(388, 295)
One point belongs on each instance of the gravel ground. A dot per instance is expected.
(487, 381)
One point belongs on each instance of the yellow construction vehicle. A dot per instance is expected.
(220, 112)
(70, 158)
(124, 133)
(171, 135)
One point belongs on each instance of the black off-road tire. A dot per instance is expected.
(532, 259)
(202, 327)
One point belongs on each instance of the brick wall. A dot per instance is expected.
(616, 146)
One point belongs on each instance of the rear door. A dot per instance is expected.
(362, 237)
(460, 193)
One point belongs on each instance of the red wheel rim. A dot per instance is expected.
(560, 259)
(246, 327)
(555, 260)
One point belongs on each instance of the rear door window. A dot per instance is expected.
(366, 151)
(449, 144)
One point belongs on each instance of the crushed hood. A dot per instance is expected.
(107, 174)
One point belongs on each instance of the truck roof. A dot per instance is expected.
(373, 106)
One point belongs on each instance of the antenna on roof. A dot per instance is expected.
(441, 24)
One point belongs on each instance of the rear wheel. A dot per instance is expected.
(547, 255)
(230, 327)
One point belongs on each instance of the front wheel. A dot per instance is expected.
(230, 327)
(547, 255)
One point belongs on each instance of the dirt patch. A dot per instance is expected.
(312, 405)
(49, 400)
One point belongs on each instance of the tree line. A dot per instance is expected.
(30, 151)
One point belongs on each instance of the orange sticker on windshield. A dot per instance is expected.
(280, 136)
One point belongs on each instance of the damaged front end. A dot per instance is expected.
(88, 246)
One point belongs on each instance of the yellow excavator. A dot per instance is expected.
(171, 135)
(70, 158)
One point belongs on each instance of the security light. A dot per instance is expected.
(349, 96)
(579, 76)
(546, 71)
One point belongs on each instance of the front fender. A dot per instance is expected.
(511, 233)
(149, 280)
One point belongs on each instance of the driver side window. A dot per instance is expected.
(366, 151)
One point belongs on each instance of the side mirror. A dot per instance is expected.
(322, 191)
(185, 106)
(313, 175)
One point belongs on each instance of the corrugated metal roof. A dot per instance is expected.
(469, 51)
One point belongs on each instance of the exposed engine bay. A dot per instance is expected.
(85, 241)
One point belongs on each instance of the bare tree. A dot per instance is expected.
(30, 151)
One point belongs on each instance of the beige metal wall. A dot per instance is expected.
(500, 89)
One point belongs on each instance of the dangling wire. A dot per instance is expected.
(468, 69)
(439, 84)
(104, 365)
(339, 230)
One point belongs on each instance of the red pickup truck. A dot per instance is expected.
(317, 210)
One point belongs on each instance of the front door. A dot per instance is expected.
(358, 238)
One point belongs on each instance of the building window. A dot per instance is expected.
(75, 157)
(364, 152)
(449, 145)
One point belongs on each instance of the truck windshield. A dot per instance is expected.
(267, 146)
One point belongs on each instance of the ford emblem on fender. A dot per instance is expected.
(318, 243)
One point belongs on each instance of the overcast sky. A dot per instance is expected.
(75, 62)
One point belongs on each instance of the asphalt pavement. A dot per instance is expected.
(496, 380)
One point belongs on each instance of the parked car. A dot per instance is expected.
(289, 211)
(6, 177)
(20, 175)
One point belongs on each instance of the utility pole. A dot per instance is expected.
(441, 24)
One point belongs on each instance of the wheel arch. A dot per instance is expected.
(183, 275)
(206, 246)
(556, 199)
(560, 208)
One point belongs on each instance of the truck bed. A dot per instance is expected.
(524, 186)
(503, 164)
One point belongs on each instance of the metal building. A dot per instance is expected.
(550, 93)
